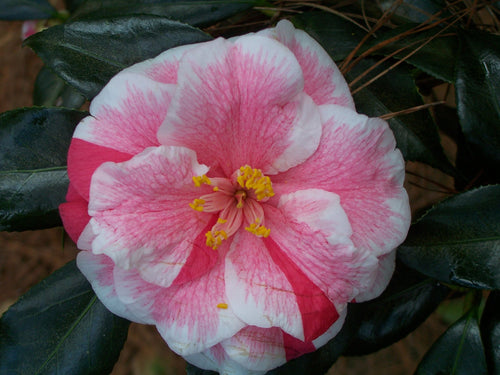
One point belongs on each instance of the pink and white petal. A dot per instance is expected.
(239, 103)
(358, 161)
(98, 269)
(74, 213)
(385, 270)
(216, 359)
(295, 348)
(127, 113)
(257, 289)
(184, 262)
(188, 316)
(313, 230)
(84, 158)
(140, 208)
(256, 348)
(322, 78)
(317, 311)
(162, 68)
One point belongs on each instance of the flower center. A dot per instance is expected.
(237, 201)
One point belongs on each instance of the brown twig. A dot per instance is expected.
(407, 111)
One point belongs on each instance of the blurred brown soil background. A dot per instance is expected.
(27, 257)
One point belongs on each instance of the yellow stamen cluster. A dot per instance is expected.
(215, 238)
(251, 178)
(197, 205)
(258, 230)
(200, 180)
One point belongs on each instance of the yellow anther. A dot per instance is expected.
(216, 188)
(222, 305)
(221, 221)
(254, 179)
(197, 205)
(258, 230)
(215, 238)
(200, 180)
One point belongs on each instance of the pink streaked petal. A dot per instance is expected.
(322, 78)
(140, 208)
(257, 289)
(256, 348)
(84, 158)
(317, 311)
(216, 359)
(313, 230)
(357, 160)
(98, 269)
(188, 316)
(239, 103)
(385, 269)
(86, 238)
(186, 261)
(127, 113)
(74, 213)
(163, 68)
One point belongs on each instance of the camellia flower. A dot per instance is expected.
(228, 193)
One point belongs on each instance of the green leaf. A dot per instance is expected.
(193, 12)
(60, 327)
(337, 35)
(87, 53)
(26, 10)
(437, 57)
(50, 90)
(33, 180)
(416, 134)
(478, 93)
(459, 351)
(409, 299)
(490, 332)
(458, 240)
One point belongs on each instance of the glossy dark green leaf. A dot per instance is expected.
(478, 93)
(416, 134)
(409, 299)
(33, 180)
(458, 240)
(60, 327)
(337, 35)
(87, 53)
(25, 10)
(50, 90)
(459, 351)
(193, 12)
(436, 57)
(490, 332)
